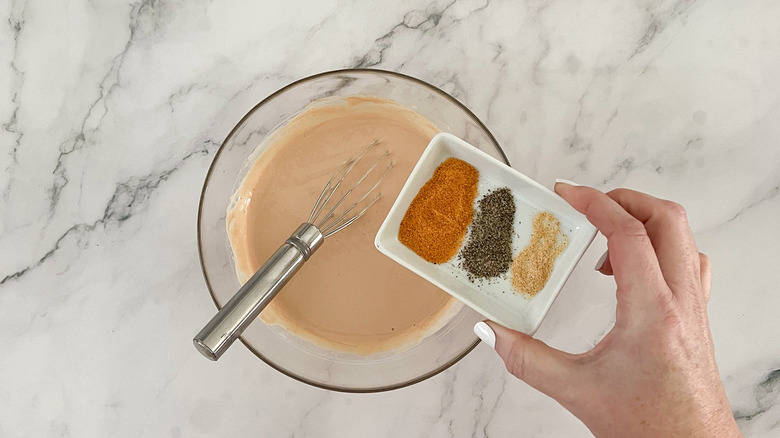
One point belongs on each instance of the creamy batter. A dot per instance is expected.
(348, 296)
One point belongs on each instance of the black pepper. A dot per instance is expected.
(488, 252)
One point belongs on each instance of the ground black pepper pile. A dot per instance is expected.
(488, 252)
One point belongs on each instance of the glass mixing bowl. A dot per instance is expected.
(280, 349)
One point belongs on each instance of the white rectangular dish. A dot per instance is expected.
(494, 299)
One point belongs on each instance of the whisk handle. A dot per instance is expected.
(228, 324)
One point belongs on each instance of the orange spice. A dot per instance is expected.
(437, 219)
(532, 267)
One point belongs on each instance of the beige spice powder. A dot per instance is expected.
(532, 267)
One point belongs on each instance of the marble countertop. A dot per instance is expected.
(112, 111)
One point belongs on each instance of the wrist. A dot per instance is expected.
(721, 425)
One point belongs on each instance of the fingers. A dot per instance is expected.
(548, 370)
(632, 258)
(706, 276)
(667, 226)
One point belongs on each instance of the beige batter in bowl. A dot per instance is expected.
(382, 363)
(348, 297)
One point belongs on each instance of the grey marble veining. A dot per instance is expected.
(110, 113)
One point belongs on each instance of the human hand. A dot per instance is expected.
(654, 373)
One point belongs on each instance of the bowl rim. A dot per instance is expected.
(208, 177)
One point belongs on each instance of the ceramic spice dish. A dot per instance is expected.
(495, 299)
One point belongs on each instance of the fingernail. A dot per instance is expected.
(601, 261)
(566, 181)
(485, 333)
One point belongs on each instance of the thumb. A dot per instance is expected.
(546, 369)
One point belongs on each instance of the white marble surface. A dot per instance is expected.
(112, 111)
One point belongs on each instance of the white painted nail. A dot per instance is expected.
(566, 181)
(601, 261)
(485, 333)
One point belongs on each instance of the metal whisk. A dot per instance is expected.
(330, 215)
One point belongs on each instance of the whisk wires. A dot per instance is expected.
(341, 212)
